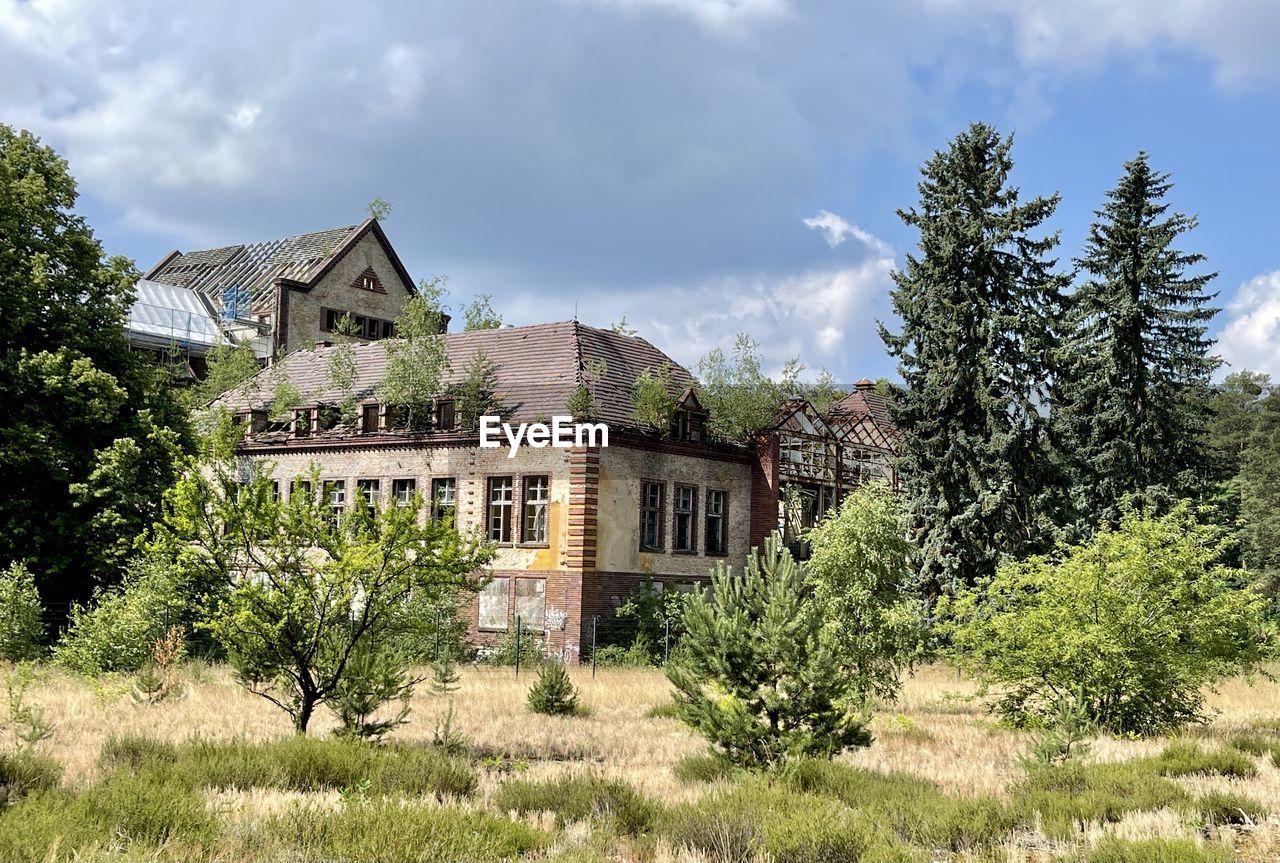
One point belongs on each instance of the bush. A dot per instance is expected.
(703, 768)
(1112, 850)
(23, 772)
(1139, 620)
(638, 655)
(552, 693)
(1218, 808)
(1253, 744)
(375, 676)
(1066, 796)
(577, 798)
(395, 832)
(21, 627)
(756, 820)
(503, 652)
(118, 632)
(1186, 759)
(757, 674)
(297, 764)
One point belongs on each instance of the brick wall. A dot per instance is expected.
(764, 489)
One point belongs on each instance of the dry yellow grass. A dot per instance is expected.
(935, 730)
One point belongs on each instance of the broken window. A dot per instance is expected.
(402, 490)
(685, 511)
(716, 522)
(369, 419)
(445, 415)
(444, 492)
(499, 508)
(531, 602)
(537, 496)
(495, 604)
(651, 515)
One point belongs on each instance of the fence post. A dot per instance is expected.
(594, 619)
(436, 649)
(666, 639)
(518, 651)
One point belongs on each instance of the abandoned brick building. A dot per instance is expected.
(578, 529)
(276, 295)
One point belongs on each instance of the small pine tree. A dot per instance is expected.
(553, 694)
(581, 405)
(444, 677)
(476, 395)
(1063, 738)
(375, 676)
(756, 674)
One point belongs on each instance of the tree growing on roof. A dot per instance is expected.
(652, 404)
(227, 367)
(418, 358)
(741, 398)
(379, 209)
(582, 401)
(284, 393)
(340, 365)
(91, 434)
(480, 315)
(476, 395)
(978, 306)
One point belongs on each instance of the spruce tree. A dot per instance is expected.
(1133, 397)
(977, 306)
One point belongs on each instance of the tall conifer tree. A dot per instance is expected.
(1133, 397)
(977, 306)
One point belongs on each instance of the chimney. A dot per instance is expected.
(864, 386)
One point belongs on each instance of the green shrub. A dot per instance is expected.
(1186, 759)
(393, 832)
(1139, 620)
(1219, 807)
(21, 626)
(1070, 794)
(133, 752)
(118, 632)
(503, 652)
(375, 676)
(665, 710)
(758, 674)
(704, 768)
(297, 764)
(755, 820)
(23, 772)
(638, 655)
(552, 694)
(577, 798)
(911, 807)
(1253, 744)
(120, 810)
(1112, 850)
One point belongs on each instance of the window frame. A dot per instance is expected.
(691, 513)
(437, 508)
(722, 517)
(396, 492)
(363, 486)
(545, 503)
(659, 512)
(510, 504)
(330, 486)
(505, 593)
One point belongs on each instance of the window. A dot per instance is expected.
(531, 602)
(717, 506)
(537, 493)
(651, 515)
(445, 415)
(335, 492)
(444, 497)
(328, 417)
(369, 419)
(275, 491)
(301, 487)
(370, 493)
(331, 319)
(685, 506)
(369, 283)
(499, 508)
(402, 490)
(302, 422)
(494, 604)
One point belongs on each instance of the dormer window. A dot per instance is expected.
(446, 417)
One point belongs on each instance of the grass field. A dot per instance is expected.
(604, 786)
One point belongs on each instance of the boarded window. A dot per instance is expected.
(531, 602)
(494, 604)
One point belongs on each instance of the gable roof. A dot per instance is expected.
(539, 366)
(865, 415)
(253, 268)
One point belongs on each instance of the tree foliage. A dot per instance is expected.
(742, 399)
(1131, 399)
(480, 315)
(91, 433)
(977, 305)
(227, 366)
(418, 358)
(553, 693)
(341, 368)
(1259, 484)
(652, 405)
(21, 622)
(476, 395)
(863, 577)
(1134, 624)
(757, 674)
(298, 588)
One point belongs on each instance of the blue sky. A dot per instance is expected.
(702, 167)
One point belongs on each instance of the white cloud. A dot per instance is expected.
(838, 230)
(1251, 337)
(718, 15)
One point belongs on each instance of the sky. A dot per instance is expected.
(701, 167)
